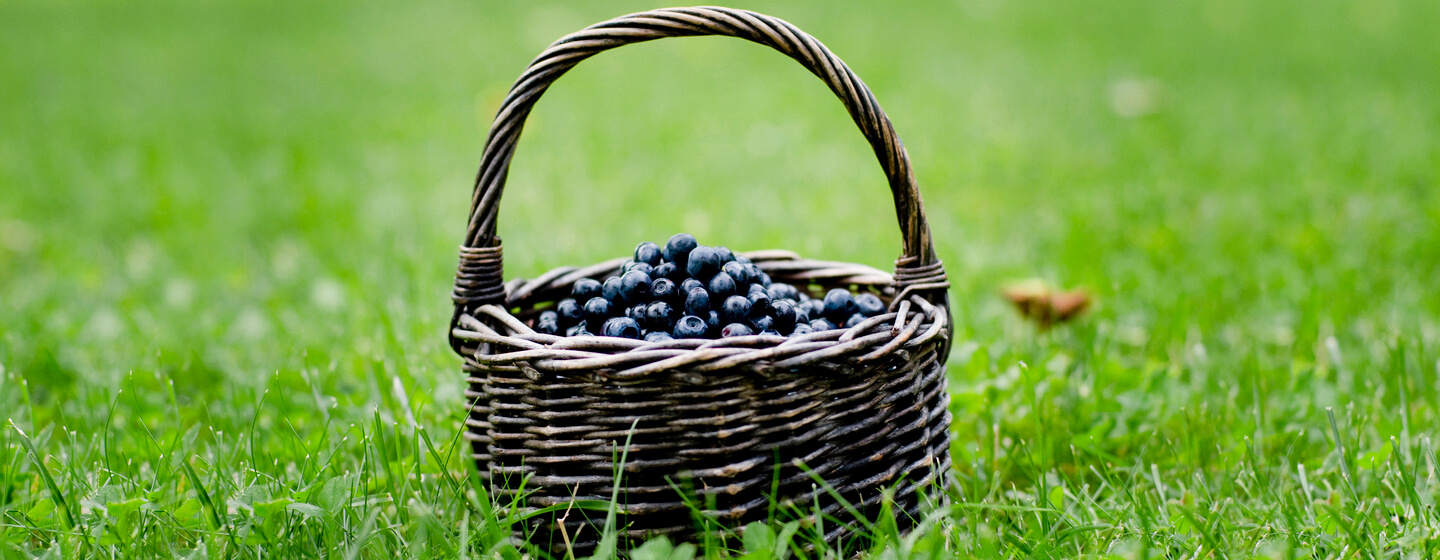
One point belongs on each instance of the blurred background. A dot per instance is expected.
(225, 193)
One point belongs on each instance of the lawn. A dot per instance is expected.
(228, 232)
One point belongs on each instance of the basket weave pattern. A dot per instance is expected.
(731, 425)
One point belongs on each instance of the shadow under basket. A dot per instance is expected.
(725, 431)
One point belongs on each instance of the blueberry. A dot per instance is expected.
(623, 327)
(648, 253)
(735, 329)
(698, 302)
(854, 320)
(658, 336)
(704, 262)
(597, 310)
(771, 333)
(784, 313)
(636, 313)
(802, 315)
(726, 255)
(760, 304)
(753, 271)
(610, 289)
(814, 308)
(660, 316)
(735, 309)
(667, 270)
(663, 289)
(722, 285)
(586, 288)
(713, 320)
(548, 316)
(677, 250)
(757, 290)
(802, 328)
(690, 284)
(762, 279)
(783, 291)
(742, 259)
(822, 325)
(737, 271)
(577, 330)
(635, 287)
(642, 267)
(690, 326)
(570, 312)
(839, 305)
(547, 325)
(869, 304)
(763, 323)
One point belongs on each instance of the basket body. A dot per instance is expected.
(726, 431)
(726, 444)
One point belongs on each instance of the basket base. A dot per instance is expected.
(718, 453)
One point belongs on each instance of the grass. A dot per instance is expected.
(227, 232)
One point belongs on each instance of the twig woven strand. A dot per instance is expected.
(737, 425)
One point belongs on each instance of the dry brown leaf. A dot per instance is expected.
(1038, 302)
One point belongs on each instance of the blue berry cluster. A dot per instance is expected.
(688, 290)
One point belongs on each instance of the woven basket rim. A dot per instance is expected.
(501, 338)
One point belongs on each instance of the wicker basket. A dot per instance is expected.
(732, 425)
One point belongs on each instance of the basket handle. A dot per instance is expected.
(481, 280)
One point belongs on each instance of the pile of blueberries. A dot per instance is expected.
(688, 290)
